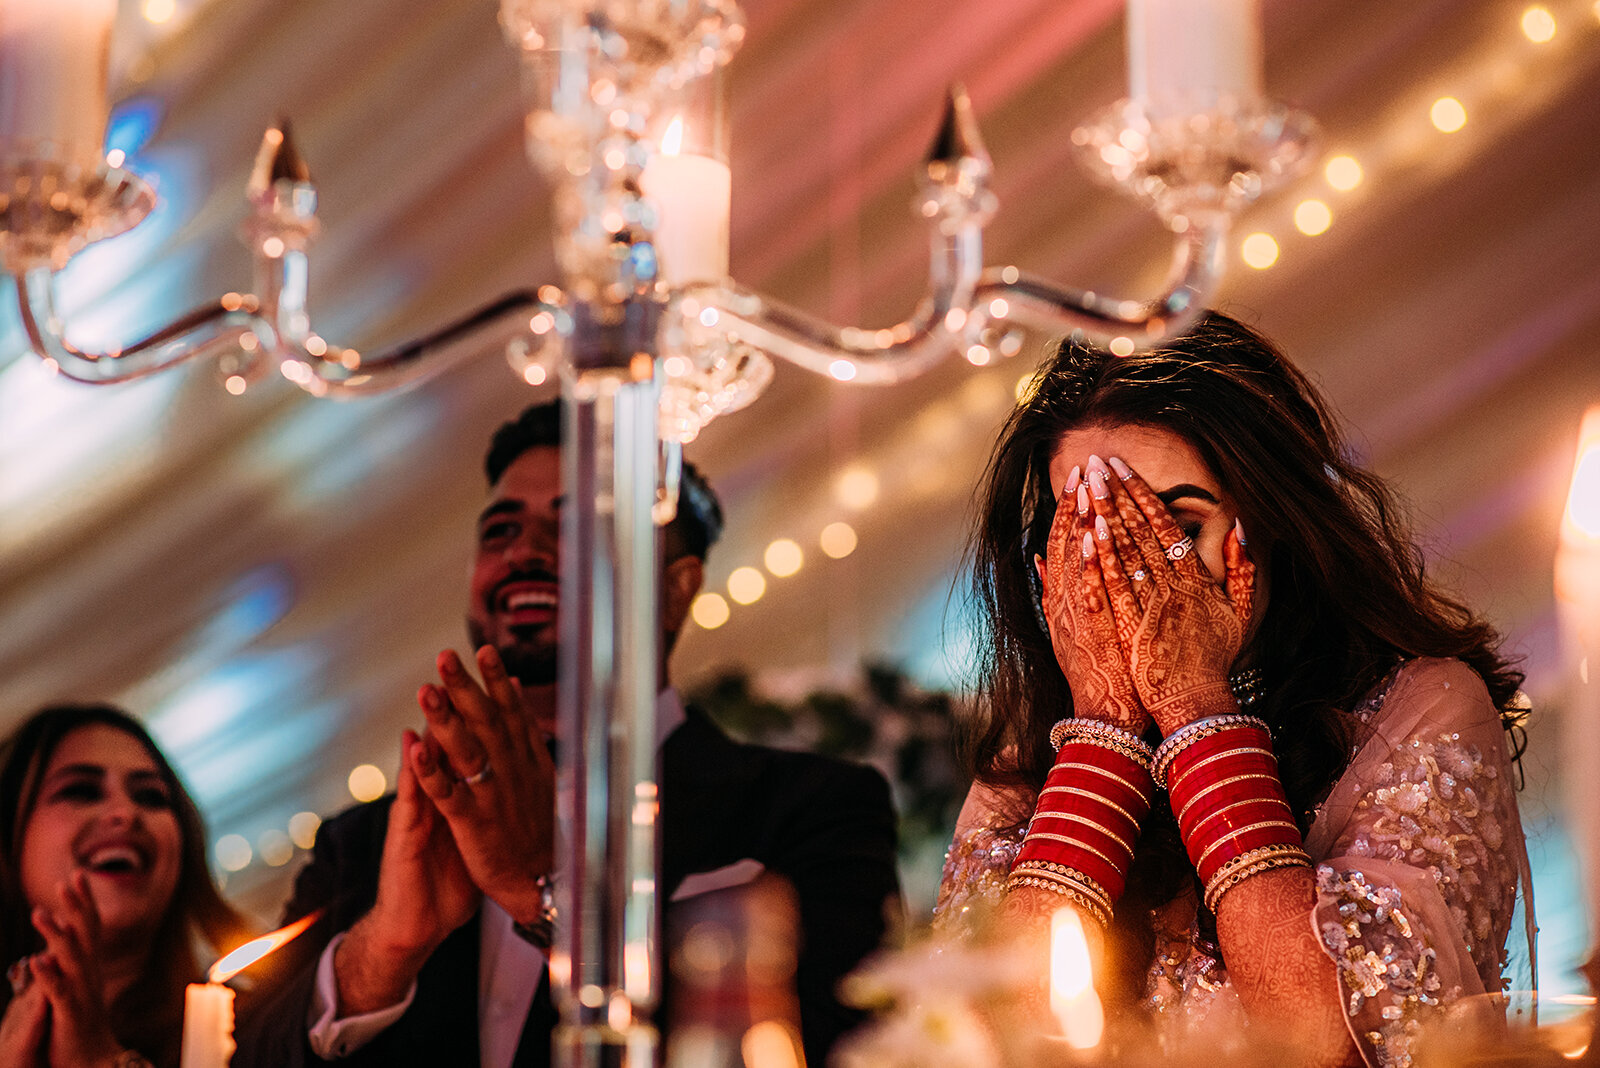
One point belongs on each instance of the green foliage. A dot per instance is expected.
(885, 720)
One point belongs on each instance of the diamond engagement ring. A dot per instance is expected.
(1180, 550)
(483, 774)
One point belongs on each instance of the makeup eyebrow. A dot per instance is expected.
(1186, 489)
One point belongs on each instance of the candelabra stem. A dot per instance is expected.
(604, 966)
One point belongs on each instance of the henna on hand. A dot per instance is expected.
(1082, 631)
(1191, 629)
(1278, 967)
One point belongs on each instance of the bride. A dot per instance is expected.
(1228, 718)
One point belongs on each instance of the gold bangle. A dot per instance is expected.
(1098, 797)
(1113, 776)
(1190, 733)
(1049, 869)
(1231, 835)
(1077, 897)
(1255, 862)
(1047, 836)
(1223, 753)
(1220, 783)
(1076, 818)
(1241, 804)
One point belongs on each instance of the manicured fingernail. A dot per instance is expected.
(1238, 529)
(1120, 468)
(1083, 499)
(449, 663)
(1097, 484)
(1101, 531)
(1088, 545)
(1073, 479)
(429, 698)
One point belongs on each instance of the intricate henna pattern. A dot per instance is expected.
(1275, 960)
(1083, 633)
(1191, 629)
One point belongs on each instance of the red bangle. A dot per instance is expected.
(1227, 796)
(1081, 839)
(1222, 818)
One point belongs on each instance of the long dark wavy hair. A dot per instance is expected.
(149, 1017)
(1348, 596)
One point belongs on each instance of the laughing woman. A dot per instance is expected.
(103, 887)
(1275, 773)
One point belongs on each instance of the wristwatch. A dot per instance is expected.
(541, 931)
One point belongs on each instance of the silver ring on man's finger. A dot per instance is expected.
(483, 774)
(1179, 551)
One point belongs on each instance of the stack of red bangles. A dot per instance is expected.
(1223, 783)
(1081, 838)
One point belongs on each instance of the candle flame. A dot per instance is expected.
(1072, 995)
(240, 959)
(672, 140)
(1580, 525)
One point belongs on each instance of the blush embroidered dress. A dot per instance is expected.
(1418, 850)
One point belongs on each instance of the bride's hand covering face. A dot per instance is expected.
(1178, 584)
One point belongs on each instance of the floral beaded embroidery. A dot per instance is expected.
(975, 871)
(1380, 955)
(1437, 805)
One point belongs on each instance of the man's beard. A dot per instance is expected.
(529, 662)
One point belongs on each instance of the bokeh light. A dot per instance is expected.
(783, 557)
(303, 828)
(367, 782)
(1448, 114)
(838, 540)
(233, 852)
(710, 611)
(1259, 251)
(746, 585)
(1312, 217)
(1538, 24)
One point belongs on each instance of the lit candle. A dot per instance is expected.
(692, 196)
(1072, 996)
(207, 1026)
(1578, 603)
(53, 60)
(208, 1007)
(1185, 55)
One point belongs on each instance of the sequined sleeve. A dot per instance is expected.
(985, 846)
(1420, 851)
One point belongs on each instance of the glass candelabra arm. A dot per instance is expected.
(956, 202)
(1006, 295)
(229, 328)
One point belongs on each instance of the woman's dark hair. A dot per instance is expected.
(1348, 595)
(149, 1017)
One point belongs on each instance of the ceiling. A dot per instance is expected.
(266, 578)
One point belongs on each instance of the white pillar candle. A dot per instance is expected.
(692, 195)
(54, 56)
(1578, 605)
(1185, 55)
(207, 1026)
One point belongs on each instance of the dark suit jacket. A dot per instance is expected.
(825, 825)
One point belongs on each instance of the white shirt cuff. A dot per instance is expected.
(332, 1037)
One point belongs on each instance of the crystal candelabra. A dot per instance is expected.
(648, 337)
